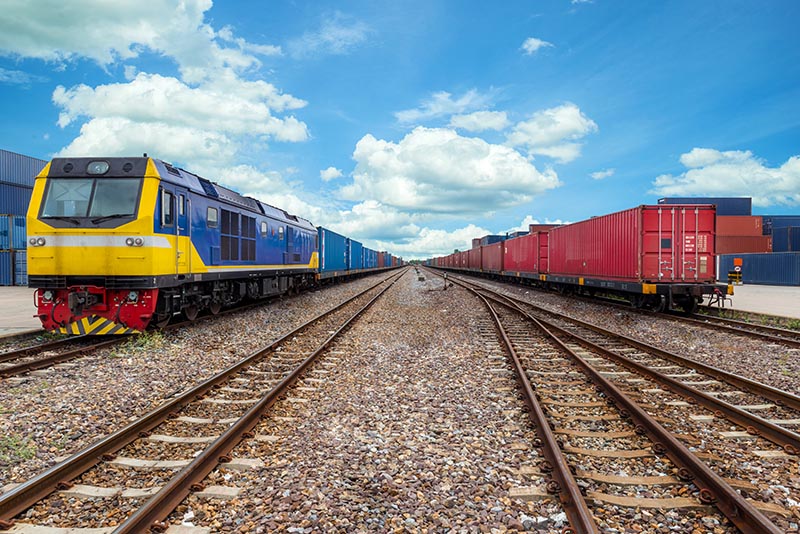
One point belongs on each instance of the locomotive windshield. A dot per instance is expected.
(98, 198)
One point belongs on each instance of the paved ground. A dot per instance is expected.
(17, 309)
(775, 300)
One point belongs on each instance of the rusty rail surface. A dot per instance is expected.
(28, 493)
(713, 489)
(151, 515)
(571, 498)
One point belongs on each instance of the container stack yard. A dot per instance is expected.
(17, 173)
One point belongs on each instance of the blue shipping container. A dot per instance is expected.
(356, 256)
(786, 239)
(332, 251)
(20, 268)
(14, 199)
(769, 268)
(5, 232)
(770, 222)
(19, 235)
(725, 205)
(12, 232)
(18, 169)
(489, 239)
(6, 268)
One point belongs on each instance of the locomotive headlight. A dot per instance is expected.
(129, 241)
(40, 241)
(32, 241)
(47, 296)
(138, 241)
(97, 167)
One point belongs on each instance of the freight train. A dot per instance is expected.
(118, 244)
(656, 257)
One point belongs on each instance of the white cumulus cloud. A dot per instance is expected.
(480, 121)
(435, 170)
(216, 103)
(599, 175)
(442, 103)
(553, 132)
(331, 173)
(531, 45)
(733, 173)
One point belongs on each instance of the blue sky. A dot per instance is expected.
(415, 126)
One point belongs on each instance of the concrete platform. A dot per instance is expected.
(774, 300)
(17, 310)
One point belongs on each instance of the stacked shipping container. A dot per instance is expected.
(17, 173)
(740, 234)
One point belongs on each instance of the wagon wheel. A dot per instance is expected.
(637, 301)
(191, 312)
(214, 308)
(162, 320)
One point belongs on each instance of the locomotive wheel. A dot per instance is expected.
(161, 320)
(191, 312)
(214, 308)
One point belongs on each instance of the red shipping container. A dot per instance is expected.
(541, 227)
(665, 244)
(463, 259)
(739, 225)
(474, 259)
(526, 254)
(734, 244)
(492, 259)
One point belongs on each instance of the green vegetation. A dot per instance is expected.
(15, 447)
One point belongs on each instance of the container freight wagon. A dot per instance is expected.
(332, 253)
(526, 256)
(655, 256)
(725, 205)
(355, 255)
(492, 258)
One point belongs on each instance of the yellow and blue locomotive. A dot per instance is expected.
(116, 244)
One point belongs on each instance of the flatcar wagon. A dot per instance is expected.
(657, 257)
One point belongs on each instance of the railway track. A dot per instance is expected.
(640, 393)
(140, 473)
(23, 360)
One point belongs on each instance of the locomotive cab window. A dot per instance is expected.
(99, 198)
(167, 213)
(212, 217)
(280, 233)
(263, 228)
(181, 204)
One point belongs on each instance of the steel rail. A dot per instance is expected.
(745, 384)
(19, 353)
(570, 496)
(26, 494)
(713, 489)
(49, 361)
(783, 437)
(155, 510)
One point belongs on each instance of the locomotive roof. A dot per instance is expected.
(136, 166)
